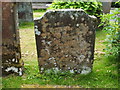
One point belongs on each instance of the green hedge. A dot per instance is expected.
(111, 23)
(92, 8)
(115, 5)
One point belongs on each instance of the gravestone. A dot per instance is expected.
(65, 41)
(106, 6)
(11, 53)
(25, 13)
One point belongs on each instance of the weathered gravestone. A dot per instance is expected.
(25, 13)
(65, 41)
(11, 54)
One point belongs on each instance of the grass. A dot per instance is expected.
(100, 37)
(0, 82)
(26, 25)
(103, 75)
(38, 13)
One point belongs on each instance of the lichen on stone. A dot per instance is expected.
(67, 41)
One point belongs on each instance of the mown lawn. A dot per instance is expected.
(103, 75)
(38, 13)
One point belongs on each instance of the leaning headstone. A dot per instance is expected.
(11, 54)
(65, 41)
(25, 13)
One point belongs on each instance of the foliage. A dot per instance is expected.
(112, 27)
(116, 4)
(39, 10)
(92, 8)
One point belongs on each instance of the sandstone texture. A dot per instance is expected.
(65, 41)
(11, 53)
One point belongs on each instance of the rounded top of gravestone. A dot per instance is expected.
(59, 12)
(92, 17)
(70, 10)
(65, 10)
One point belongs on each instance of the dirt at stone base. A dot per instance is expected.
(47, 86)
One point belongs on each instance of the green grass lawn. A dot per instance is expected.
(103, 75)
(38, 13)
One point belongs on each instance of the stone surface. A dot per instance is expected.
(11, 53)
(25, 13)
(106, 6)
(65, 41)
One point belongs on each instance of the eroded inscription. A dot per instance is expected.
(65, 41)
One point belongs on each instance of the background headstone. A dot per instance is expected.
(25, 12)
(11, 53)
(106, 6)
(65, 41)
